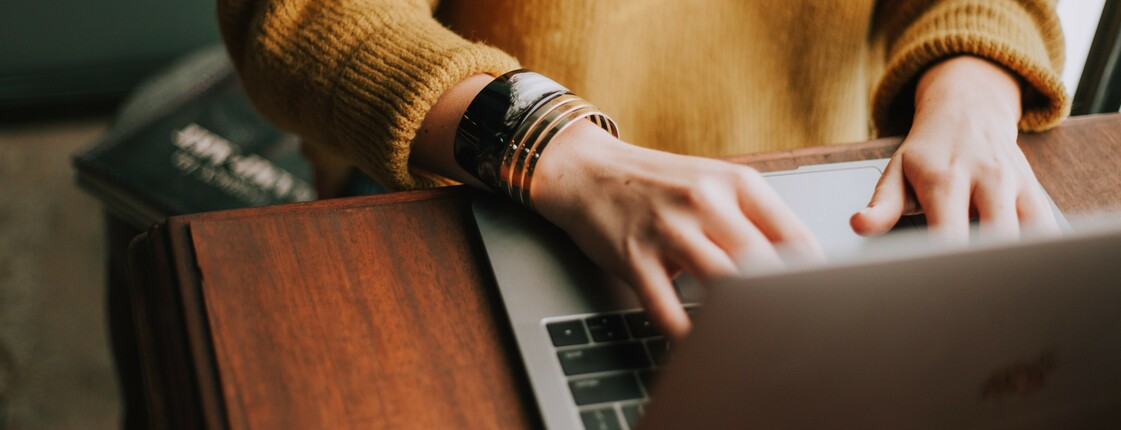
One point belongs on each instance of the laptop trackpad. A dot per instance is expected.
(825, 200)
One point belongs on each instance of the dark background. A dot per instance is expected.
(65, 67)
(62, 56)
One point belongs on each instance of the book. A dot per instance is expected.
(209, 151)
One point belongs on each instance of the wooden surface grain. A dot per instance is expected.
(1079, 163)
(380, 311)
(370, 317)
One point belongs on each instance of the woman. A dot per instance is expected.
(386, 84)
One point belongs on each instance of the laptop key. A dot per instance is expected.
(600, 419)
(640, 325)
(648, 377)
(567, 333)
(659, 350)
(603, 358)
(607, 328)
(632, 413)
(600, 389)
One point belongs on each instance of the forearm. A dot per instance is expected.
(432, 149)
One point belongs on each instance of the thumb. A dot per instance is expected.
(887, 205)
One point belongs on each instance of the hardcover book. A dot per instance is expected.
(209, 151)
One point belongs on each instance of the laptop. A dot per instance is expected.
(1008, 335)
(590, 353)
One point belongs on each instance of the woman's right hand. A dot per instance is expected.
(646, 215)
(641, 214)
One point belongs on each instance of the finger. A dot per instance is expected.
(659, 298)
(1034, 208)
(995, 202)
(699, 256)
(945, 200)
(1036, 216)
(760, 255)
(775, 221)
(889, 202)
(729, 228)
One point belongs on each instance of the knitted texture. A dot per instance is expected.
(358, 75)
(1023, 36)
(703, 77)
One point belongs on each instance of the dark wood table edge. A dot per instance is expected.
(179, 367)
(178, 399)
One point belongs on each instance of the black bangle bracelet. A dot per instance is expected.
(487, 128)
(508, 125)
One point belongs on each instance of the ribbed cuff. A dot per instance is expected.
(363, 80)
(1029, 44)
(390, 85)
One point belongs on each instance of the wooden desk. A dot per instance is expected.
(381, 312)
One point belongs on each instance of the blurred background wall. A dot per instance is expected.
(1080, 20)
(69, 54)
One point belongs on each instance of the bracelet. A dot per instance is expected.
(527, 137)
(556, 116)
(509, 124)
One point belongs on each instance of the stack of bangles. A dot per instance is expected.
(508, 125)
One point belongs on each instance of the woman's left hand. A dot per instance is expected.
(961, 158)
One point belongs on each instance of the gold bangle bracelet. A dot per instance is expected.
(486, 128)
(534, 121)
(590, 112)
(505, 129)
(533, 139)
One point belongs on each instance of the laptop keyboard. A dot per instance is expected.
(610, 361)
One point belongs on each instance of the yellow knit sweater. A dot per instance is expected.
(703, 77)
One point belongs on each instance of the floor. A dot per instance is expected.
(55, 367)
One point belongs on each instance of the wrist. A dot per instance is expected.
(511, 122)
(431, 148)
(968, 86)
(575, 160)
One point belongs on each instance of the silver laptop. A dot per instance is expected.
(591, 355)
(1012, 335)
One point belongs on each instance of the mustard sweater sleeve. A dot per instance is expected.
(1024, 36)
(358, 75)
